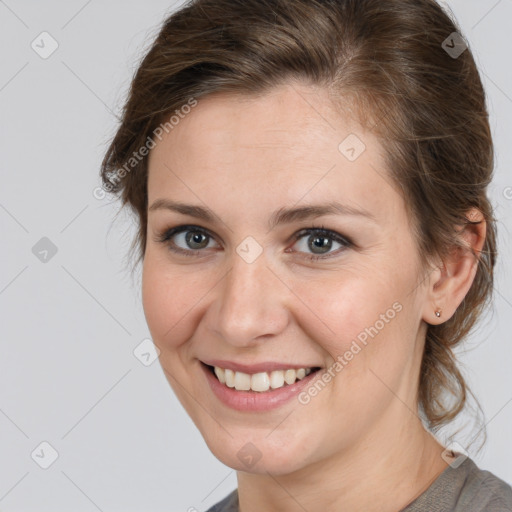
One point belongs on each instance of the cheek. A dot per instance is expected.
(354, 309)
(170, 297)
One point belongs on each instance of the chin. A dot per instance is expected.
(261, 455)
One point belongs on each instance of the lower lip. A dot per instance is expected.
(254, 400)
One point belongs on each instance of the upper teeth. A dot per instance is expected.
(259, 381)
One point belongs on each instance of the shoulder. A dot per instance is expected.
(228, 504)
(465, 488)
(484, 491)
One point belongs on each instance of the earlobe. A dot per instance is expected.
(454, 277)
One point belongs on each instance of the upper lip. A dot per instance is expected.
(265, 366)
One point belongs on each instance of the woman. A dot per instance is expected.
(310, 184)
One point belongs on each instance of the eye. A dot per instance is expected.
(193, 240)
(188, 240)
(320, 243)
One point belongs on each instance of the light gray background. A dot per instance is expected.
(68, 374)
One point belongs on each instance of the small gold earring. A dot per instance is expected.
(438, 313)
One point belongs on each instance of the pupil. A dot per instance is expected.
(320, 242)
(196, 238)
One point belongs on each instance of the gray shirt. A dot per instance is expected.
(465, 488)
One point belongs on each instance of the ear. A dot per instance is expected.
(449, 284)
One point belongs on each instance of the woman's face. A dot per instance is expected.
(238, 288)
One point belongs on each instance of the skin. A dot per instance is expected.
(358, 444)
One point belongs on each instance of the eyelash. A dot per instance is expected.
(165, 238)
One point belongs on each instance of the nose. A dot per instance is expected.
(251, 304)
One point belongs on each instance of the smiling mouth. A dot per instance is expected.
(262, 381)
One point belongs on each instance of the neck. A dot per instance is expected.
(388, 470)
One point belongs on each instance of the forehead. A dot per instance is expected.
(290, 144)
(292, 116)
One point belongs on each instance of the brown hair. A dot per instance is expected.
(427, 106)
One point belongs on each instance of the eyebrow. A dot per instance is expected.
(281, 216)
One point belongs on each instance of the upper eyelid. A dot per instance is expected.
(323, 230)
(188, 227)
